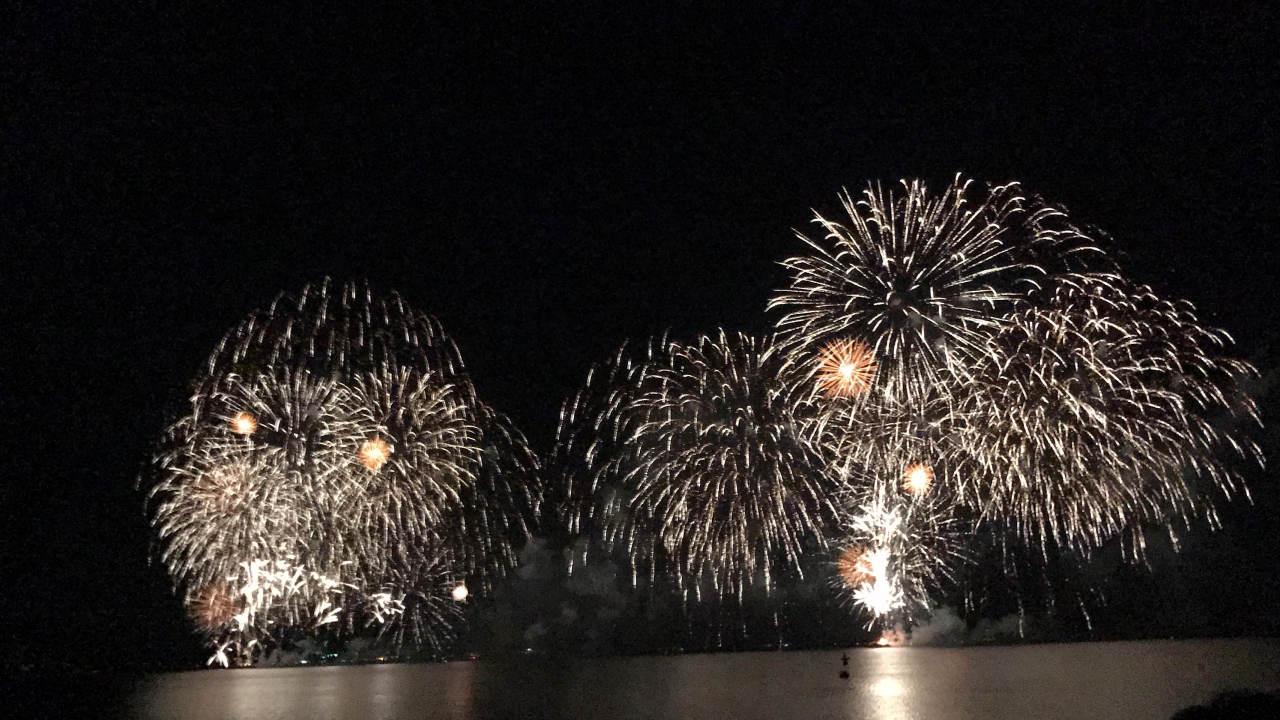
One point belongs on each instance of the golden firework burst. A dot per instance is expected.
(460, 593)
(846, 368)
(213, 606)
(225, 489)
(244, 423)
(854, 567)
(374, 453)
(917, 479)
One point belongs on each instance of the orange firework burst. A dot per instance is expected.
(845, 368)
(213, 606)
(917, 479)
(854, 567)
(374, 453)
(244, 423)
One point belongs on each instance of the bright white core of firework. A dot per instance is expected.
(883, 595)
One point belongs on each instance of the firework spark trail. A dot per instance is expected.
(588, 436)
(698, 472)
(335, 468)
(496, 514)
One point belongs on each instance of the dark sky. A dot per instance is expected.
(548, 183)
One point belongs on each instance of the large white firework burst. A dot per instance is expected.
(923, 279)
(1104, 410)
(335, 469)
(707, 480)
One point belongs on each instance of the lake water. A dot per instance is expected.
(1129, 680)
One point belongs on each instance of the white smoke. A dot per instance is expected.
(946, 628)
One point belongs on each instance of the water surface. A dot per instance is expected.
(1079, 681)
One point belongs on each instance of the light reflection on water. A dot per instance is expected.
(1132, 680)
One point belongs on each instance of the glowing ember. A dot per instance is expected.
(374, 453)
(460, 593)
(244, 423)
(917, 479)
(845, 368)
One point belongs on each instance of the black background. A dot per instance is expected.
(549, 180)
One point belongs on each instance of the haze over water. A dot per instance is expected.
(1084, 681)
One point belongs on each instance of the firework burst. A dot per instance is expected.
(1102, 411)
(710, 483)
(1015, 379)
(924, 278)
(336, 470)
(846, 369)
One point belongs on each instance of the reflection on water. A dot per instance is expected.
(1131, 680)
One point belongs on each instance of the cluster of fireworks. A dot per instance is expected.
(943, 365)
(336, 471)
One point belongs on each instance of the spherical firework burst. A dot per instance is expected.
(374, 453)
(335, 469)
(845, 368)
(244, 423)
(1104, 410)
(714, 486)
(854, 567)
(917, 479)
(924, 278)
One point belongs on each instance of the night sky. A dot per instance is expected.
(550, 183)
